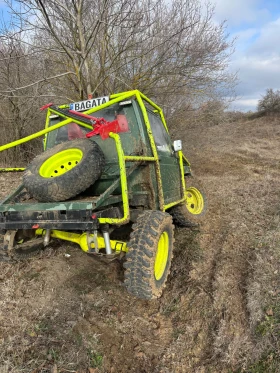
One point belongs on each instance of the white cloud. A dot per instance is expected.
(268, 41)
(256, 75)
(244, 104)
(257, 61)
(237, 12)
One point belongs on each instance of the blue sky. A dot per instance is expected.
(256, 26)
(3, 11)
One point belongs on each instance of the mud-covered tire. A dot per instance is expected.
(78, 164)
(149, 256)
(192, 212)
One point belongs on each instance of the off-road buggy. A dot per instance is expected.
(111, 180)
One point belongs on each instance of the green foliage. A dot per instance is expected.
(53, 354)
(269, 363)
(269, 325)
(95, 359)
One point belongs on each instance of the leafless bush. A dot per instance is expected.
(207, 114)
(235, 116)
(213, 112)
(20, 99)
(270, 102)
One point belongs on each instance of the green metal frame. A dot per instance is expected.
(122, 158)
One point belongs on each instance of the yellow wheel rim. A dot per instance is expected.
(161, 256)
(194, 201)
(61, 163)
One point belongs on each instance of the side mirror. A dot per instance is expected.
(177, 145)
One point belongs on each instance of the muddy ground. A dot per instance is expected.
(220, 311)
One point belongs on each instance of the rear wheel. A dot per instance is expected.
(64, 171)
(149, 254)
(19, 245)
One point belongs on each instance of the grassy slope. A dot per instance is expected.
(220, 311)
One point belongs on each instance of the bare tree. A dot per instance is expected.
(161, 48)
(20, 100)
(68, 49)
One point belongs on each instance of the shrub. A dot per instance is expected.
(270, 102)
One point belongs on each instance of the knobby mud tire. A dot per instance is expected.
(70, 183)
(140, 277)
(11, 250)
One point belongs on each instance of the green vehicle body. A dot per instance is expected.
(138, 193)
(142, 170)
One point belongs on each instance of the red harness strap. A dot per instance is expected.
(102, 127)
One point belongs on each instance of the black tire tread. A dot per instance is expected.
(72, 182)
(181, 216)
(139, 275)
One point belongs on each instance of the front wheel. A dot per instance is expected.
(149, 254)
(191, 212)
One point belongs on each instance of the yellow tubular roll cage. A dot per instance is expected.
(122, 158)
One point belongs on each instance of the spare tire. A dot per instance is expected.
(64, 171)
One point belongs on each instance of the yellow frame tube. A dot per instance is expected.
(183, 184)
(138, 158)
(61, 124)
(124, 188)
(48, 129)
(81, 240)
(182, 158)
(46, 126)
(186, 160)
(166, 207)
(122, 158)
(156, 107)
(153, 146)
(181, 163)
(11, 169)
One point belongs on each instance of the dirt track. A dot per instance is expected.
(61, 314)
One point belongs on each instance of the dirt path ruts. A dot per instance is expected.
(74, 313)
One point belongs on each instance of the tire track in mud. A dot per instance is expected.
(223, 275)
(220, 338)
(207, 298)
(230, 339)
(227, 279)
(201, 323)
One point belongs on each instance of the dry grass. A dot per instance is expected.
(220, 311)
